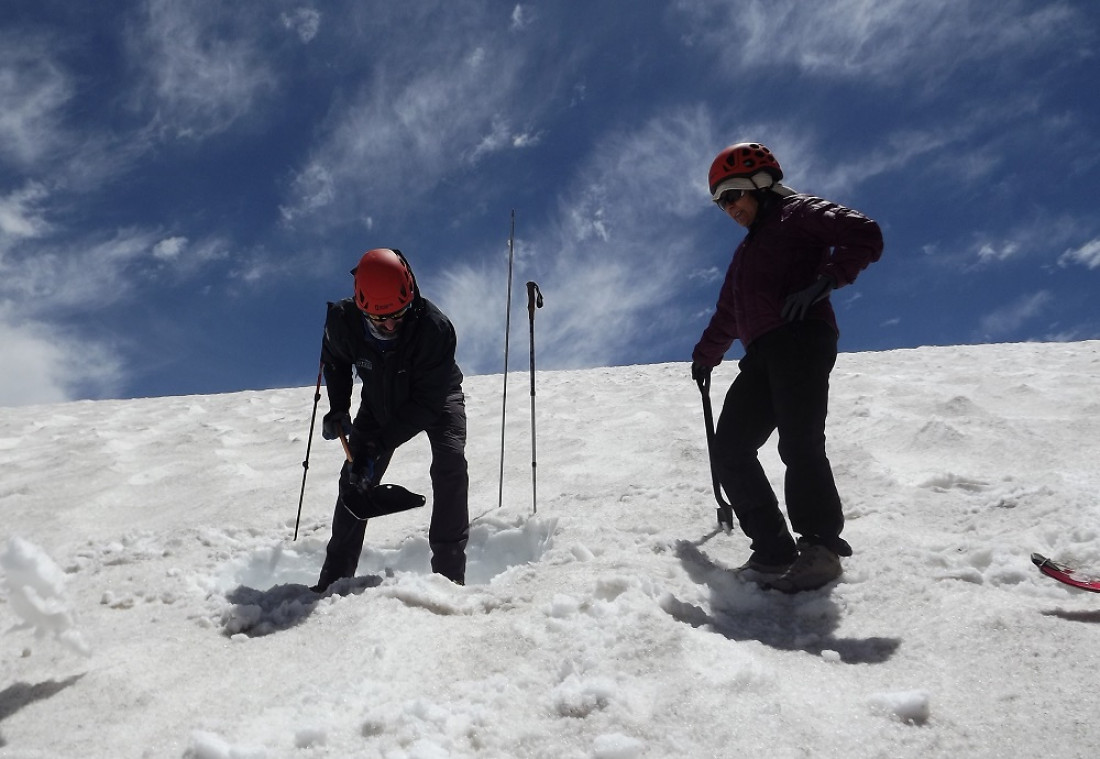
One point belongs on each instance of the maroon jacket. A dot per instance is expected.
(796, 240)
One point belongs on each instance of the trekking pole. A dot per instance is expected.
(507, 331)
(725, 511)
(534, 300)
(309, 444)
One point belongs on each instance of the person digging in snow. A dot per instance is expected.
(775, 299)
(403, 349)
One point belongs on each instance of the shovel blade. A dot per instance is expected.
(390, 499)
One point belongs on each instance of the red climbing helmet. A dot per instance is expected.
(745, 161)
(383, 282)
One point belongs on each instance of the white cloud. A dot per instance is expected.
(875, 41)
(521, 17)
(20, 215)
(93, 272)
(416, 121)
(169, 248)
(202, 77)
(44, 364)
(1036, 236)
(33, 92)
(1087, 255)
(305, 22)
(1004, 321)
(1006, 249)
(82, 274)
(313, 188)
(603, 264)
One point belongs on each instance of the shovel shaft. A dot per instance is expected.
(347, 448)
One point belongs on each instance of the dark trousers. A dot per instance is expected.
(783, 385)
(450, 522)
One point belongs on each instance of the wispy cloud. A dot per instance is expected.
(1087, 255)
(1039, 236)
(1003, 322)
(205, 70)
(304, 21)
(77, 274)
(415, 121)
(53, 277)
(604, 262)
(33, 91)
(21, 215)
(38, 363)
(875, 42)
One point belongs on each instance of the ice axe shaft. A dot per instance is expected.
(725, 511)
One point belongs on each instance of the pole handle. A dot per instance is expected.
(534, 298)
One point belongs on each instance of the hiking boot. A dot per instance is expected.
(815, 567)
(764, 566)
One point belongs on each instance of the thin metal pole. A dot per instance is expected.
(534, 300)
(507, 331)
(309, 444)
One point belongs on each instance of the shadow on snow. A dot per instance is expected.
(742, 611)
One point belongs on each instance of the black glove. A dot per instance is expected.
(700, 372)
(335, 422)
(361, 471)
(361, 474)
(798, 305)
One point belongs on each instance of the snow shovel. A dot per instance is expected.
(382, 499)
(725, 511)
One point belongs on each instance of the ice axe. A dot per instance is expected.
(725, 511)
(380, 500)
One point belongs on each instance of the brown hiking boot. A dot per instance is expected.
(815, 567)
(761, 569)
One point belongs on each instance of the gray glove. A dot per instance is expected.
(798, 305)
(335, 422)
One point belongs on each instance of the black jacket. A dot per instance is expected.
(404, 388)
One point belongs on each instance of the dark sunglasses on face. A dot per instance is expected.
(395, 316)
(729, 197)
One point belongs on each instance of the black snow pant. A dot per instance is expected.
(783, 385)
(450, 522)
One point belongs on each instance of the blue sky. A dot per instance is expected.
(184, 183)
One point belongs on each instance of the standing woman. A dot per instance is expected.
(775, 300)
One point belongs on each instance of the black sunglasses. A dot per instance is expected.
(729, 197)
(395, 316)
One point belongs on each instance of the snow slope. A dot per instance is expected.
(154, 604)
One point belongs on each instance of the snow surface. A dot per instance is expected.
(154, 603)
